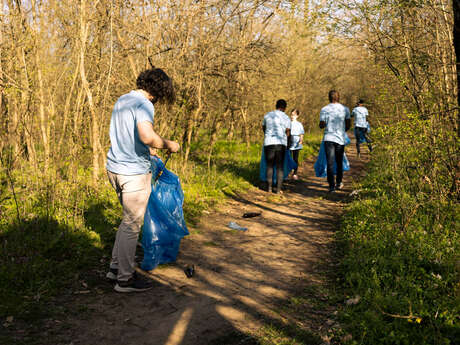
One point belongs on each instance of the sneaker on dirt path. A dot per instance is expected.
(135, 284)
(340, 186)
(112, 274)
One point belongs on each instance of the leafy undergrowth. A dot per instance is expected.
(400, 241)
(57, 227)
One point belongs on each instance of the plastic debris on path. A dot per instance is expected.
(235, 226)
(251, 214)
(189, 271)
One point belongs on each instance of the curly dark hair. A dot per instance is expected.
(157, 83)
(281, 104)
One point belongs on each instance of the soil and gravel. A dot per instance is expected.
(243, 281)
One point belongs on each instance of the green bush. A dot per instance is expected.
(400, 241)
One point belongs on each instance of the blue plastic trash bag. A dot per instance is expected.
(289, 164)
(321, 162)
(347, 139)
(164, 224)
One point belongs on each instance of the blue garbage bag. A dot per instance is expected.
(289, 164)
(321, 161)
(164, 224)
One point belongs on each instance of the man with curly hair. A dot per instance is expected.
(128, 168)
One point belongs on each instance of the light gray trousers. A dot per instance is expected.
(133, 191)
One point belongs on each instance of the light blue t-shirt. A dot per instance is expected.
(296, 132)
(334, 114)
(128, 155)
(360, 113)
(276, 122)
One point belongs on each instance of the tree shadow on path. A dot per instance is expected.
(268, 281)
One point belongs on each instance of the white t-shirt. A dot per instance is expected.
(296, 131)
(360, 114)
(276, 122)
(334, 115)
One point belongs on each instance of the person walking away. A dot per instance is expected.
(129, 169)
(296, 139)
(360, 113)
(276, 126)
(335, 119)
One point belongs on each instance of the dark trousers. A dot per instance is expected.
(361, 132)
(274, 155)
(334, 153)
(295, 157)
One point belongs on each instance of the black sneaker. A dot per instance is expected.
(112, 274)
(135, 284)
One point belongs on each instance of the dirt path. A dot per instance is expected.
(242, 280)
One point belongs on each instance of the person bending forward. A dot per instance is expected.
(128, 169)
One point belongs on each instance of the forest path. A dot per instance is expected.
(243, 280)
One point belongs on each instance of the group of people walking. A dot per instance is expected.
(282, 133)
(132, 136)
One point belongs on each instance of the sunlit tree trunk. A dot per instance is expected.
(191, 122)
(84, 26)
(456, 41)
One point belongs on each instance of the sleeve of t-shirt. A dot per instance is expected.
(347, 113)
(145, 112)
(288, 122)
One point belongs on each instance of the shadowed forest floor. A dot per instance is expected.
(272, 278)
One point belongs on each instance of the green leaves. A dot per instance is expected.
(401, 240)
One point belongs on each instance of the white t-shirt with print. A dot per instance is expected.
(360, 114)
(334, 115)
(276, 122)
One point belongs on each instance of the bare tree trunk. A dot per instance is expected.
(44, 125)
(246, 130)
(132, 64)
(449, 67)
(214, 131)
(23, 108)
(94, 126)
(456, 41)
(193, 119)
(65, 113)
